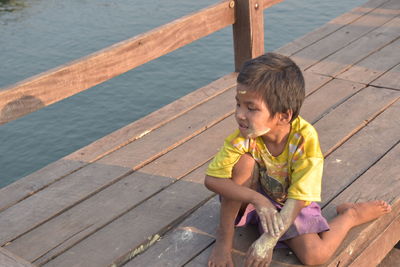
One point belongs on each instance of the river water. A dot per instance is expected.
(37, 35)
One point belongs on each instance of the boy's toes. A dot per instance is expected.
(384, 206)
(387, 207)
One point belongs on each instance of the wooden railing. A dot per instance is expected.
(49, 87)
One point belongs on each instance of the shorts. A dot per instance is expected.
(309, 220)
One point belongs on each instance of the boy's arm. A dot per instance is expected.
(260, 252)
(229, 189)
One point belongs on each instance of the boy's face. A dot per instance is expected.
(252, 114)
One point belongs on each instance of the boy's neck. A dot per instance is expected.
(276, 139)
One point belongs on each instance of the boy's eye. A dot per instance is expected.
(252, 108)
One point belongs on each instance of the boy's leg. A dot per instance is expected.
(314, 249)
(221, 253)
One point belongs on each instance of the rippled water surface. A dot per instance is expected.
(37, 35)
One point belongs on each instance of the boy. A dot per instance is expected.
(269, 171)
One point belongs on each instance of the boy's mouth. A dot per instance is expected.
(242, 126)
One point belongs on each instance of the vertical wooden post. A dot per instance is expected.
(248, 31)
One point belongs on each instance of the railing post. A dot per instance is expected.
(248, 31)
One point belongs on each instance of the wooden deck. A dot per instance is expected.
(136, 197)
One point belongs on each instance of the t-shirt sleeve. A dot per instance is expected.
(222, 164)
(307, 168)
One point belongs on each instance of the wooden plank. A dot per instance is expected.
(59, 83)
(120, 238)
(188, 238)
(374, 181)
(185, 127)
(390, 79)
(327, 98)
(57, 198)
(346, 35)
(29, 185)
(200, 260)
(362, 107)
(314, 81)
(65, 193)
(355, 156)
(248, 31)
(35, 182)
(359, 49)
(70, 227)
(372, 67)
(7, 259)
(330, 27)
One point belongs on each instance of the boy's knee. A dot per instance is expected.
(245, 171)
(314, 255)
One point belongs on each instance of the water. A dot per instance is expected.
(37, 35)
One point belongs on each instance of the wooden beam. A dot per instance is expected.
(248, 31)
(54, 85)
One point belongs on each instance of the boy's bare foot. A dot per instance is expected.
(365, 211)
(220, 256)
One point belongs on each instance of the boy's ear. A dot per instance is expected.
(285, 117)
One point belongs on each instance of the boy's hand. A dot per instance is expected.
(270, 219)
(260, 252)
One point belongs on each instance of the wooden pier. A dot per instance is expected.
(136, 197)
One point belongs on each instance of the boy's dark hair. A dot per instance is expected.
(279, 81)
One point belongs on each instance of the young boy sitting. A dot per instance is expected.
(269, 172)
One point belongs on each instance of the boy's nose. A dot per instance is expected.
(239, 114)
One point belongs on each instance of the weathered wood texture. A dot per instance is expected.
(390, 79)
(248, 31)
(330, 27)
(374, 66)
(361, 48)
(346, 35)
(7, 259)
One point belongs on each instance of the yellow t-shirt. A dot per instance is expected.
(296, 173)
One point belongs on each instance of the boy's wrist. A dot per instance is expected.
(259, 200)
